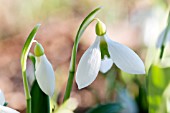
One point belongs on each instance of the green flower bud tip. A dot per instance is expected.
(38, 50)
(100, 28)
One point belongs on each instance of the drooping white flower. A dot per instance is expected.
(44, 72)
(161, 38)
(164, 37)
(91, 61)
(4, 109)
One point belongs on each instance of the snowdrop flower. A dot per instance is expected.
(4, 109)
(44, 71)
(161, 38)
(102, 54)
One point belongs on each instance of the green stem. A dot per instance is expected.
(28, 106)
(26, 89)
(71, 73)
(69, 86)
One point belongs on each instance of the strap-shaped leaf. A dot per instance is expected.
(24, 54)
(40, 102)
(106, 108)
(27, 46)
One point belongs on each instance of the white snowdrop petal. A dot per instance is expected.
(89, 65)
(45, 75)
(2, 98)
(106, 64)
(30, 74)
(160, 38)
(4, 109)
(125, 58)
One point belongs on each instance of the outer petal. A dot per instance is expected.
(4, 109)
(160, 38)
(125, 58)
(89, 65)
(2, 98)
(45, 75)
(106, 64)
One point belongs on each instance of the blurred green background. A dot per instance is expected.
(135, 23)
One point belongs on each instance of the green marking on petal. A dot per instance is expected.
(104, 48)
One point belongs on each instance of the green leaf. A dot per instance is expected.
(158, 80)
(27, 46)
(24, 54)
(40, 102)
(106, 108)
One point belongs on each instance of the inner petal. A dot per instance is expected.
(104, 48)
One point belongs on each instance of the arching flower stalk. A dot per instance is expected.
(102, 54)
(4, 109)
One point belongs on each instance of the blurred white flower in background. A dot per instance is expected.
(160, 38)
(4, 109)
(151, 22)
(128, 104)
